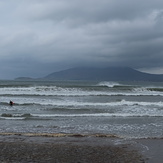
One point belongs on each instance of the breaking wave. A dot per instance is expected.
(49, 116)
(98, 115)
(108, 84)
(51, 102)
(76, 103)
(119, 90)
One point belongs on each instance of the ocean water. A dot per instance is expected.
(125, 109)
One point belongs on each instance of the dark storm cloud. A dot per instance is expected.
(38, 37)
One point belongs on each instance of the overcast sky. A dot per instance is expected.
(38, 37)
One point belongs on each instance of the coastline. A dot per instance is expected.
(69, 148)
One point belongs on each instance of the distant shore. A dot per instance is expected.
(78, 148)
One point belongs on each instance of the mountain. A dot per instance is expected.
(109, 73)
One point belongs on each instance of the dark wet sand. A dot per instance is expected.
(63, 148)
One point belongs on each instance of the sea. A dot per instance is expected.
(123, 109)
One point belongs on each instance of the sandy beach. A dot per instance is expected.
(76, 148)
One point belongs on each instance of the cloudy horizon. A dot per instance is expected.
(38, 37)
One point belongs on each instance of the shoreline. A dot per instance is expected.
(69, 148)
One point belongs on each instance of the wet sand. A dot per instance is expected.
(152, 149)
(76, 148)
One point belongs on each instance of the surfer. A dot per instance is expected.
(11, 103)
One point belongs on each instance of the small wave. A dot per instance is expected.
(108, 84)
(155, 89)
(26, 115)
(117, 89)
(85, 104)
(97, 115)
(39, 90)
(148, 89)
(12, 118)
(15, 116)
(132, 103)
(6, 115)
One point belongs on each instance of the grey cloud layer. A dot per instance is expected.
(55, 34)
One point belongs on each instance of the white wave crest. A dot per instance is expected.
(108, 84)
(73, 103)
(97, 115)
(69, 91)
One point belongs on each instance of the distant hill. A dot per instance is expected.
(109, 73)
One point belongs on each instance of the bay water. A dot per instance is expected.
(124, 109)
